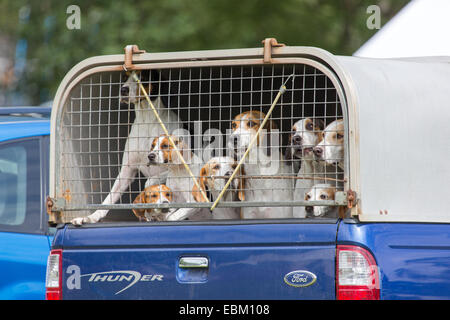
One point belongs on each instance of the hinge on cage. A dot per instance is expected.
(270, 43)
(129, 51)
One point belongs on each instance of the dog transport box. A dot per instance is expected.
(395, 137)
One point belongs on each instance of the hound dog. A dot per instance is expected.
(163, 154)
(321, 192)
(157, 194)
(331, 148)
(262, 160)
(213, 177)
(306, 134)
(143, 130)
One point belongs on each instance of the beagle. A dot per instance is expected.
(306, 134)
(144, 128)
(331, 148)
(157, 194)
(213, 177)
(262, 160)
(163, 154)
(321, 192)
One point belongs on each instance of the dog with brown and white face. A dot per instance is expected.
(162, 153)
(331, 148)
(321, 192)
(244, 127)
(306, 134)
(263, 160)
(155, 194)
(213, 177)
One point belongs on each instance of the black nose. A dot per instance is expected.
(152, 157)
(309, 209)
(165, 201)
(235, 140)
(297, 140)
(318, 151)
(228, 173)
(124, 91)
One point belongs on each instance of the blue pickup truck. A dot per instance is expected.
(388, 239)
(25, 236)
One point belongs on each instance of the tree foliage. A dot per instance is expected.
(175, 25)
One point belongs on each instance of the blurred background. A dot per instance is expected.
(37, 48)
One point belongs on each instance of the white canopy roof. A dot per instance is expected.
(421, 28)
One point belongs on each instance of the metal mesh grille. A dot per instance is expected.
(205, 104)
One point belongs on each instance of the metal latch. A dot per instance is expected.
(129, 51)
(54, 215)
(270, 43)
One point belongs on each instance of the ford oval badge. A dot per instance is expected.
(300, 278)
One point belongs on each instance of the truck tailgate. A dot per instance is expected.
(284, 260)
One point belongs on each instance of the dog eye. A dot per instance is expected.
(323, 197)
(167, 194)
(234, 166)
(309, 126)
(154, 196)
(165, 146)
(251, 124)
(307, 197)
(339, 136)
(216, 167)
(234, 125)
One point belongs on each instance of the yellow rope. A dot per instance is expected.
(170, 138)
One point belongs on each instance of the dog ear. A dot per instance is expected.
(319, 124)
(196, 193)
(288, 155)
(141, 198)
(242, 185)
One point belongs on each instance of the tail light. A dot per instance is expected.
(53, 277)
(357, 276)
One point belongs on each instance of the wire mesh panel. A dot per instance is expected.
(116, 154)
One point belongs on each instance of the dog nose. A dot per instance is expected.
(152, 157)
(165, 201)
(309, 209)
(318, 151)
(297, 139)
(228, 173)
(235, 140)
(124, 91)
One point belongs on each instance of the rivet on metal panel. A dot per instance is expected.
(129, 51)
(270, 43)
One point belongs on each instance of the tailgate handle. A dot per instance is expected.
(193, 262)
